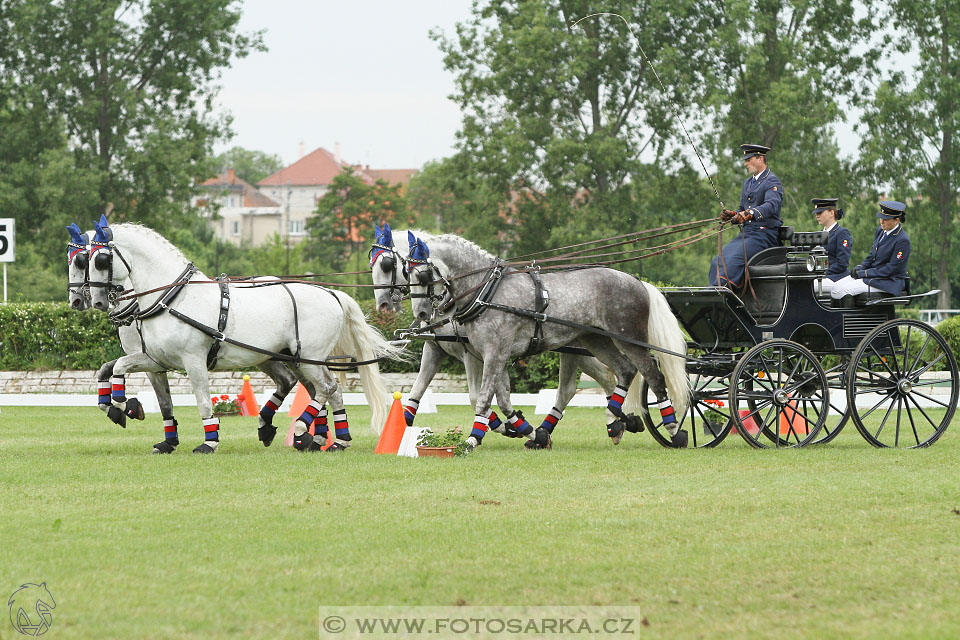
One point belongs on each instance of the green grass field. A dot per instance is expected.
(842, 541)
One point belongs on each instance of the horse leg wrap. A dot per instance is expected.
(517, 426)
(632, 423)
(494, 421)
(103, 392)
(550, 421)
(616, 420)
(320, 426)
(170, 439)
(410, 410)
(266, 432)
(309, 413)
(118, 391)
(211, 429)
(340, 425)
(668, 416)
(541, 440)
(480, 426)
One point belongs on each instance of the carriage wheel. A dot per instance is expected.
(839, 415)
(901, 410)
(707, 420)
(778, 389)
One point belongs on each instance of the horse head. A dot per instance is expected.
(387, 271)
(423, 275)
(104, 273)
(78, 288)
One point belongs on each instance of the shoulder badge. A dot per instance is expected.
(774, 188)
(845, 242)
(899, 255)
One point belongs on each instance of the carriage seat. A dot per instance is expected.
(862, 298)
(773, 261)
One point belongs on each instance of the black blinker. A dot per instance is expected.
(80, 261)
(387, 263)
(102, 261)
(423, 277)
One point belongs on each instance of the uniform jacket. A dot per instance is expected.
(839, 246)
(886, 266)
(762, 197)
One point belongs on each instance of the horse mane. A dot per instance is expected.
(135, 226)
(458, 242)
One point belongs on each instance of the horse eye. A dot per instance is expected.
(101, 261)
(80, 261)
(387, 263)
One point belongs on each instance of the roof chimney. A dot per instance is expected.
(231, 176)
(336, 152)
(300, 150)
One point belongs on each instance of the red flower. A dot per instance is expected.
(224, 397)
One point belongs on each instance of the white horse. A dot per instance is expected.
(387, 259)
(78, 288)
(179, 325)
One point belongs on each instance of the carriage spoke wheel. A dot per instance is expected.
(905, 377)
(707, 420)
(839, 413)
(779, 395)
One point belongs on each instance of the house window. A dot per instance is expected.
(295, 227)
(235, 227)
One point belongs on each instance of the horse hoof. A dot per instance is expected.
(679, 439)
(541, 440)
(633, 423)
(470, 444)
(615, 431)
(336, 446)
(164, 447)
(134, 409)
(117, 416)
(303, 441)
(207, 447)
(266, 434)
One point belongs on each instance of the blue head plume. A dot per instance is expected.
(77, 234)
(103, 229)
(383, 235)
(419, 251)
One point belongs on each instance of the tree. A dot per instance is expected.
(783, 67)
(910, 128)
(557, 112)
(342, 230)
(252, 166)
(133, 82)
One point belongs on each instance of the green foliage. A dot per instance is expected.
(251, 166)
(47, 335)
(950, 330)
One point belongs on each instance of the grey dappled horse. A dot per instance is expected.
(296, 320)
(451, 273)
(387, 260)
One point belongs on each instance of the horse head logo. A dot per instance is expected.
(30, 608)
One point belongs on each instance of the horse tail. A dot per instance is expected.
(663, 331)
(358, 337)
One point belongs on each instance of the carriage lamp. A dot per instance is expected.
(817, 260)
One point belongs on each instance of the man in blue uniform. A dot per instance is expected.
(885, 269)
(759, 217)
(839, 243)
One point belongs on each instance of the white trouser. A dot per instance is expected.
(849, 286)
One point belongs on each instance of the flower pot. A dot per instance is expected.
(436, 452)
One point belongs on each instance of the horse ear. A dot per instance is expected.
(76, 233)
(424, 248)
(103, 220)
(376, 230)
(386, 227)
(411, 239)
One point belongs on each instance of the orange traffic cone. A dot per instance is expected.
(300, 401)
(793, 420)
(393, 428)
(248, 401)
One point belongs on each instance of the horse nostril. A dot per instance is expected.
(75, 304)
(384, 306)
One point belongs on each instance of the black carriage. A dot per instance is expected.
(786, 368)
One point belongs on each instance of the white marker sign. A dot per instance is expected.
(6, 240)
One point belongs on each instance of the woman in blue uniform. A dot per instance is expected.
(885, 269)
(839, 243)
(759, 217)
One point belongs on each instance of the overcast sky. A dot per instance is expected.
(365, 75)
